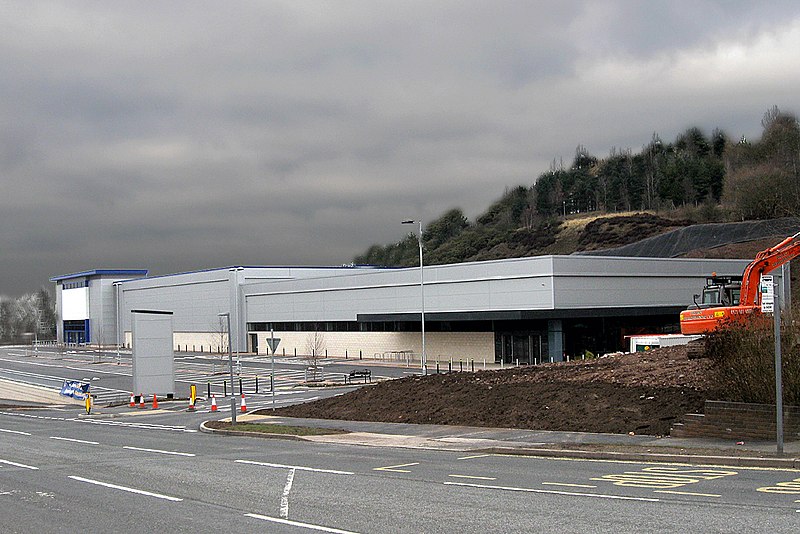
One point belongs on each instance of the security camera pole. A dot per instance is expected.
(230, 363)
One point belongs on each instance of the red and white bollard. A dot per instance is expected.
(244, 404)
(213, 403)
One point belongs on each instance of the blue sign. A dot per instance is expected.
(75, 389)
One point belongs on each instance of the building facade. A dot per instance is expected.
(526, 310)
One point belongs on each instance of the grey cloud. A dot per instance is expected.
(184, 135)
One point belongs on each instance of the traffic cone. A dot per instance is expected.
(244, 404)
(213, 403)
(141, 400)
(155, 402)
(133, 402)
(191, 404)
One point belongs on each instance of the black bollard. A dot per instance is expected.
(256, 383)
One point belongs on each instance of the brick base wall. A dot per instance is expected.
(738, 420)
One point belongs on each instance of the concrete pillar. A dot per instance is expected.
(555, 340)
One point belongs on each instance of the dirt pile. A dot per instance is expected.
(643, 393)
(610, 232)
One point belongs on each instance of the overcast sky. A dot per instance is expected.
(176, 136)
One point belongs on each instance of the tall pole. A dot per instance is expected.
(230, 364)
(778, 375)
(272, 360)
(422, 303)
(424, 358)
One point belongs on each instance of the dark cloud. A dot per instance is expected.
(184, 135)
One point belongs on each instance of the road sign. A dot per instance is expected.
(273, 343)
(767, 294)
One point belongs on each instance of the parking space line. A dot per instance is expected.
(672, 492)
(472, 477)
(554, 492)
(125, 488)
(395, 468)
(568, 485)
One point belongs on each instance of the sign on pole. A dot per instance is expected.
(273, 343)
(767, 294)
(75, 389)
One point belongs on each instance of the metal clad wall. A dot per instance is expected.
(102, 311)
(195, 305)
(539, 283)
(495, 285)
(604, 282)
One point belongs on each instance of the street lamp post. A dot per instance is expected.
(424, 359)
(230, 363)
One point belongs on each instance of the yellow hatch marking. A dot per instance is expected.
(786, 488)
(664, 477)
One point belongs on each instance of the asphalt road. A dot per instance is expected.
(110, 374)
(62, 472)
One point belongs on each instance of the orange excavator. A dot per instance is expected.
(728, 299)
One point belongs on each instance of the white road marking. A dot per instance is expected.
(125, 488)
(474, 456)
(687, 493)
(553, 492)
(14, 432)
(394, 468)
(15, 464)
(75, 440)
(298, 467)
(472, 477)
(568, 485)
(285, 497)
(299, 524)
(158, 451)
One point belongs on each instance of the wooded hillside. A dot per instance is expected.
(695, 178)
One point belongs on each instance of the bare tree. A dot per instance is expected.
(315, 350)
(219, 336)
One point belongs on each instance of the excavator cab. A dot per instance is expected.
(719, 291)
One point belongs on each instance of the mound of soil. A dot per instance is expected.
(643, 393)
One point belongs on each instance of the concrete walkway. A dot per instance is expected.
(20, 394)
(547, 443)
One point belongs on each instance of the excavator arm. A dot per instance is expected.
(767, 261)
(699, 321)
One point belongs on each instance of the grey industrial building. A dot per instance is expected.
(524, 309)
